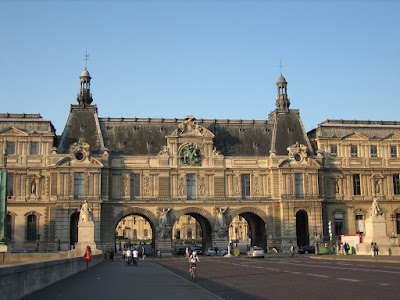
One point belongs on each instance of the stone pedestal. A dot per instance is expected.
(3, 248)
(165, 246)
(85, 238)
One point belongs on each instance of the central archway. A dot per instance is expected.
(147, 215)
(256, 220)
(205, 219)
(302, 228)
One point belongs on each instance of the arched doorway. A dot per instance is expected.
(302, 228)
(246, 230)
(135, 230)
(73, 231)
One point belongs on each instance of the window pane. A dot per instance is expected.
(393, 151)
(338, 224)
(135, 185)
(359, 224)
(333, 150)
(396, 184)
(34, 148)
(356, 184)
(245, 185)
(31, 230)
(10, 148)
(354, 150)
(10, 184)
(374, 151)
(191, 186)
(298, 178)
(78, 184)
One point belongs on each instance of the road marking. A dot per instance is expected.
(384, 284)
(272, 269)
(258, 267)
(391, 267)
(317, 275)
(349, 279)
(295, 273)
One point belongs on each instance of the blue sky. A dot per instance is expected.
(209, 59)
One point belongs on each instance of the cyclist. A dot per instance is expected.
(193, 260)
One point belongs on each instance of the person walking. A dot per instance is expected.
(135, 255)
(128, 255)
(111, 253)
(88, 257)
(376, 249)
(372, 249)
(292, 250)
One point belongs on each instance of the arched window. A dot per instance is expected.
(359, 223)
(31, 234)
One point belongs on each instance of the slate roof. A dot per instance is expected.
(29, 123)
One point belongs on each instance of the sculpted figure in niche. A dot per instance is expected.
(337, 186)
(220, 216)
(164, 216)
(377, 187)
(33, 187)
(86, 213)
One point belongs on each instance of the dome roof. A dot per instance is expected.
(85, 73)
(281, 79)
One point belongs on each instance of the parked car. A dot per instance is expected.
(255, 252)
(198, 250)
(211, 251)
(180, 251)
(307, 249)
(222, 252)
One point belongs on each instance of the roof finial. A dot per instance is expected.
(86, 58)
(280, 65)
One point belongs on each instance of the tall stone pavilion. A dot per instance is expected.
(284, 183)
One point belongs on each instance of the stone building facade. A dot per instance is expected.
(284, 182)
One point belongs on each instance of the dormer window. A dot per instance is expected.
(374, 151)
(333, 150)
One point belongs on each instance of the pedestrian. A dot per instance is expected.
(135, 255)
(111, 253)
(376, 249)
(292, 250)
(160, 252)
(128, 255)
(143, 253)
(88, 257)
(187, 252)
(372, 249)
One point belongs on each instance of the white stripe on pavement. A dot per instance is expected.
(318, 275)
(349, 279)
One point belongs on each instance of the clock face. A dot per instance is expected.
(191, 156)
(297, 157)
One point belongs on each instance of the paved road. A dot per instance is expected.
(297, 278)
(114, 280)
(276, 277)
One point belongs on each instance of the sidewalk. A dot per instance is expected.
(115, 280)
(380, 258)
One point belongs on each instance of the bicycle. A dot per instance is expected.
(193, 271)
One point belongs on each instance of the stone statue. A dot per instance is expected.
(337, 186)
(375, 210)
(86, 213)
(220, 216)
(33, 187)
(377, 187)
(163, 220)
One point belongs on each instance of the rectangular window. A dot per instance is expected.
(353, 150)
(191, 186)
(34, 148)
(374, 151)
(117, 186)
(356, 184)
(398, 223)
(31, 228)
(396, 184)
(10, 184)
(359, 224)
(333, 150)
(78, 184)
(393, 151)
(135, 185)
(298, 179)
(338, 224)
(245, 185)
(10, 148)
